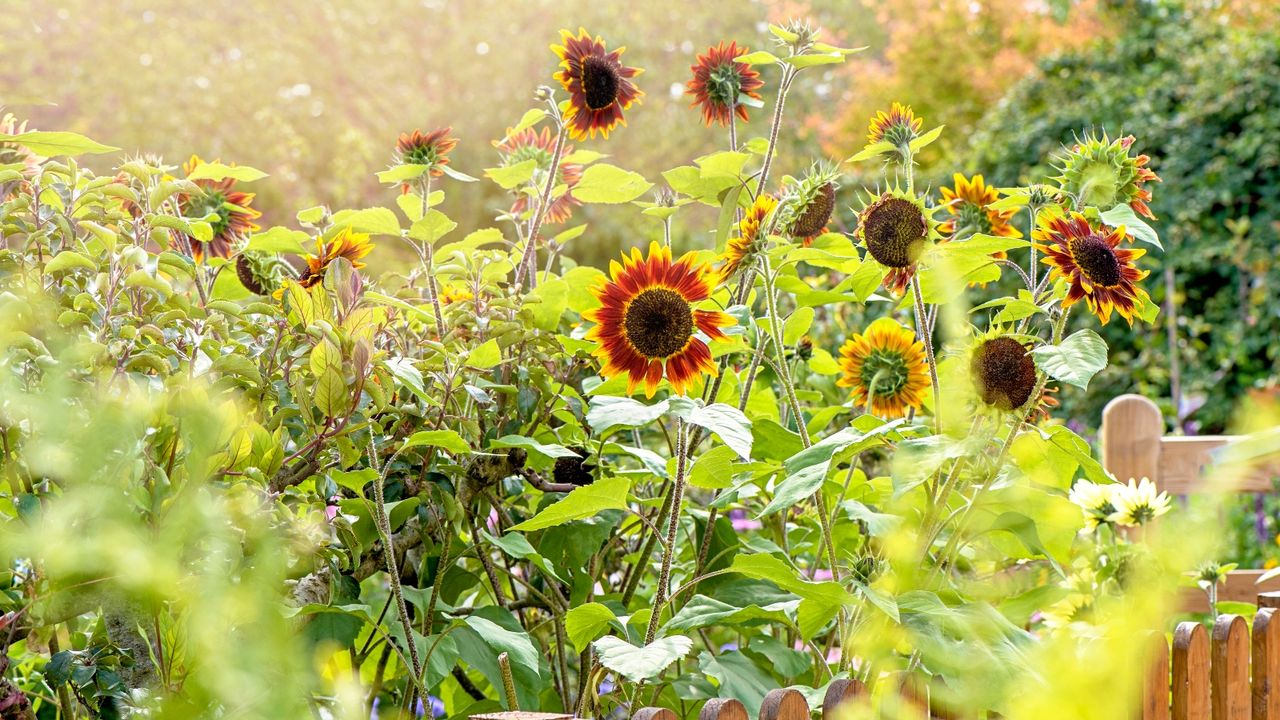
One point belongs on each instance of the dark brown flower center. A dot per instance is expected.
(600, 82)
(817, 213)
(659, 322)
(884, 373)
(1096, 259)
(1004, 373)
(894, 229)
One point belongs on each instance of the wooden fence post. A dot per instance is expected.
(1190, 672)
(840, 692)
(1131, 430)
(1155, 685)
(723, 709)
(1266, 666)
(784, 704)
(521, 715)
(1230, 671)
(654, 714)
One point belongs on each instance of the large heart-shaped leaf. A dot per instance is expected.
(1076, 360)
(641, 663)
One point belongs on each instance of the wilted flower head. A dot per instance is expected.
(811, 202)
(1003, 372)
(722, 86)
(895, 229)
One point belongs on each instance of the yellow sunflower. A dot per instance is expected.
(346, 244)
(599, 85)
(969, 205)
(886, 368)
(898, 126)
(740, 251)
(647, 324)
(1088, 257)
(450, 294)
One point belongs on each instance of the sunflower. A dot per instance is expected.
(1087, 255)
(232, 209)
(260, 272)
(1139, 502)
(528, 145)
(740, 252)
(1100, 172)
(430, 149)
(886, 368)
(899, 126)
(346, 244)
(811, 202)
(1096, 501)
(599, 86)
(719, 84)
(15, 154)
(969, 206)
(648, 324)
(895, 229)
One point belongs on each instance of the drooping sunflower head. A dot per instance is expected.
(895, 229)
(1101, 173)
(528, 144)
(720, 83)
(899, 126)
(810, 202)
(1088, 256)
(968, 206)
(231, 210)
(741, 251)
(429, 149)
(648, 326)
(345, 244)
(599, 85)
(885, 367)
(1003, 372)
(260, 272)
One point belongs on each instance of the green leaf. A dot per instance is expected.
(606, 411)
(702, 611)
(529, 119)
(811, 59)
(375, 221)
(819, 600)
(604, 183)
(550, 451)
(796, 325)
(518, 646)
(739, 677)
(727, 422)
(456, 174)
(485, 355)
(1134, 225)
(714, 468)
(547, 302)
(1076, 360)
(448, 440)
(587, 622)
(926, 139)
(583, 502)
(279, 240)
(872, 150)
(641, 663)
(217, 171)
(402, 173)
(759, 57)
(69, 260)
(54, 144)
(517, 546)
(330, 394)
(510, 176)
(431, 227)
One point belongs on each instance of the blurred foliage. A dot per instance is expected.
(1200, 88)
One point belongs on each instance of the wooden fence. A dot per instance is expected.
(1134, 446)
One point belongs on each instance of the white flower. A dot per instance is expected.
(1138, 503)
(1096, 501)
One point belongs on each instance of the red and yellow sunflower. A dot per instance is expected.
(898, 126)
(232, 208)
(429, 149)
(599, 85)
(1089, 257)
(647, 325)
(886, 368)
(540, 147)
(346, 244)
(739, 252)
(969, 207)
(719, 83)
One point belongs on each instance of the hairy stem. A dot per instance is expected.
(673, 526)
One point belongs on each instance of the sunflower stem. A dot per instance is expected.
(788, 74)
(1031, 234)
(662, 592)
(784, 374)
(528, 263)
(926, 337)
(428, 259)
